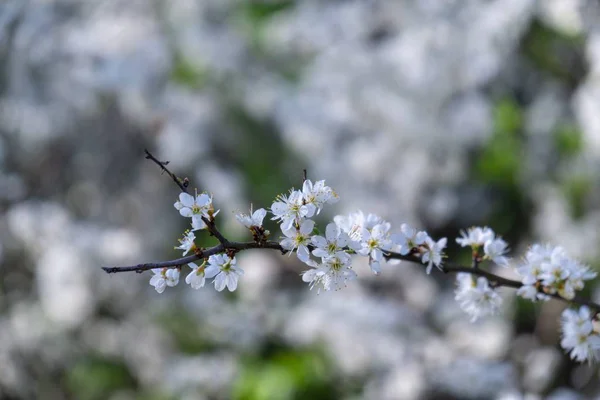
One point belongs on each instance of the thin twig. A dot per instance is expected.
(183, 184)
(162, 164)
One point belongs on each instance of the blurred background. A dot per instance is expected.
(440, 113)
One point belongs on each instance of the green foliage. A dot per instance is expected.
(252, 17)
(576, 190)
(96, 378)
(568, 140)
(184, 330)
(285, 375)
(560, 55)
(267, 164)
(188, 74)
(259, 11)
(500, 161)
(498, 166)
(508, 118)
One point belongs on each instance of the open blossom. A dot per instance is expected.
(355, 223)
(318, 194)
(335, 240)
(408, 238)
(531, 273)
(195, 208)
(475, 236)
(550, 270)
(291, 209)
(579, 336)
(299, 239)
(164, 277)
(373, 243)
(531, 292)
(433, 253)
(495, 250)
(331, 274)
(197, 277)
(187, 243)
(224, 270)
(253, 219)
(476, 298)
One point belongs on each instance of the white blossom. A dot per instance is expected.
(196, 208)
(475, 236)
(373, 243)
(355, 223)
(331, 274)
(187, 242)
(318, 194)
(530, 292)
(197, 277)
(253, 219)
(299, 239)
(494, 250)
(335, 240)
(476, 298)
(291, 209)
(408, 238)
(433, 253)
(164, 277)
(224, 270)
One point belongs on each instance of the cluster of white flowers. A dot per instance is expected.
(356, 234)
(476, 297)
(294, 212)
(494, 248)
(299, 205)
(221, 267)
(545, 271)
(549, 270)
(164, 277)
(579, 335)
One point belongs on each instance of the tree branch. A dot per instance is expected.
(235, 247)
(220, 248)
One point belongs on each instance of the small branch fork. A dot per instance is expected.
(235, 247)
